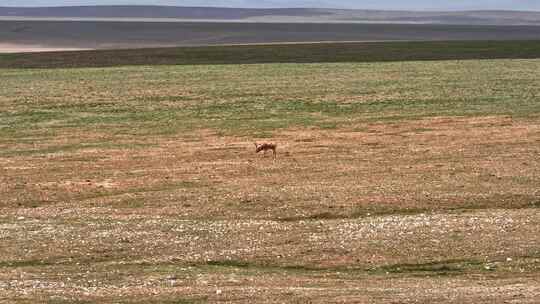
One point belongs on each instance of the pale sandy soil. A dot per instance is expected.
(26, 48)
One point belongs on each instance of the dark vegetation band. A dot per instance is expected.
(279, 53)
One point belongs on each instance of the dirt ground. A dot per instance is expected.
(436, 210)
(402, 182)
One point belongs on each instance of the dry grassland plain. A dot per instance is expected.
(400, 182)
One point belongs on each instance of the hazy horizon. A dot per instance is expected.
(417, 5)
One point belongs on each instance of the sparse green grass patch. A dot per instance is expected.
(143, 100)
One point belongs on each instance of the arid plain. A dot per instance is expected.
(395, 182)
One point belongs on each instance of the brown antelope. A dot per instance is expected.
(265, 147)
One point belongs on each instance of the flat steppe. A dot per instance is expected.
(395, 182)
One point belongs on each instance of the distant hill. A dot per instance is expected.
(122, 11)
(308, 15)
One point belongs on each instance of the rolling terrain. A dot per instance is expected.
(405, 181)
(124, 27)
(317, 15)
(114, 35)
